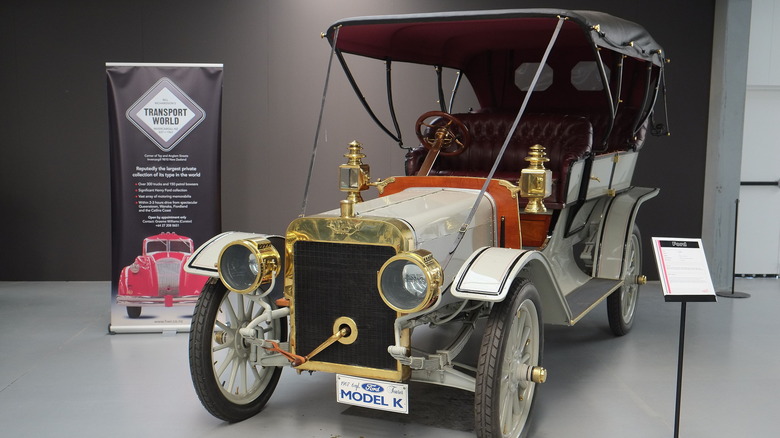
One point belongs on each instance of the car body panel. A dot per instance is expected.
(157, 277)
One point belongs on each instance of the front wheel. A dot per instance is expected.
(228, 384)
(511, 352)
(621, 304)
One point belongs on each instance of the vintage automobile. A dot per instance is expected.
(157, 277)
(514, 215)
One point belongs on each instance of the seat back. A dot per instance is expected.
(566, 139)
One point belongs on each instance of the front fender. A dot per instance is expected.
(140, 278)
(488, 275)
(204, 259)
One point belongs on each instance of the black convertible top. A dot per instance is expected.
(451, 39)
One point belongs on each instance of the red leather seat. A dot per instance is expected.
(566, 139)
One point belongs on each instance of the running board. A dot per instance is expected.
(583, 299)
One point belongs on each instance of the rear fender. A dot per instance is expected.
(204, 259)
(616, 229)
(488, 275)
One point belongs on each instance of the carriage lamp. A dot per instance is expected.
(245, 265)
(354, 176)
(535, 180)
(409, 282)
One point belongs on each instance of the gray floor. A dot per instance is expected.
(61, 374)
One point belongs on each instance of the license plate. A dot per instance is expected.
(374, 394)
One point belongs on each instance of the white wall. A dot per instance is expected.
(758, 235)
(764, 52)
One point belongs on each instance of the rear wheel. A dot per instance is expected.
(621, 304)
(134, 312)
(228, 384)
(511, 352)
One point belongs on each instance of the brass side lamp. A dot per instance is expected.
(535, 180)
(354, 177)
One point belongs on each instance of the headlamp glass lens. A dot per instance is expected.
(404, 285)
(414, 280)
(253, 264)
(236, 267)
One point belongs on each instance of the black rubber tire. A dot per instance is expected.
(621, 304)
(231, 405)
(499, 356)
(134, 312)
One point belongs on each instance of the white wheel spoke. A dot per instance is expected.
(250, 309)
(231, 354)
(524, 338)
(244, 378)
(506, 382)
(255, 373)
(222, 325)
(233, 373)
(240, 308)
(517, 406)
(522, 317)
(506, 413)
(219, 347)
(231, 312)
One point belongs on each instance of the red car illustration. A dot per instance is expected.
(156, 277)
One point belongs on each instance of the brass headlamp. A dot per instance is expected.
(246, 264)
(409, 281)
(535, 180)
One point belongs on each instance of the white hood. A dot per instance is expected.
(436, 214)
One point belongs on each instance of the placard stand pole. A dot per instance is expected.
(680, 354)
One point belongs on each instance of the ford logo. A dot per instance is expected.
(372, 387)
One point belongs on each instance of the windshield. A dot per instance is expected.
(178, 245)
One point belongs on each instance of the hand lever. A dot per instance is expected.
(344, 331)
(433, 152)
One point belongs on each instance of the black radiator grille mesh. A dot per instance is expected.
(334, 280)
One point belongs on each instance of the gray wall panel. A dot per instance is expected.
(54, 186)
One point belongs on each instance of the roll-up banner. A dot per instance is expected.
(165, 131)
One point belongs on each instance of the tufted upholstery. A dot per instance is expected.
(566, 138)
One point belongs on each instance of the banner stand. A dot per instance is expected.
(164, 139)
(732, 293)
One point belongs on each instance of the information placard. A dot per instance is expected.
(683, 268)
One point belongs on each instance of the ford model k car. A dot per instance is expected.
(157, 276)
(513, 215)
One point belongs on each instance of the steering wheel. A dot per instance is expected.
(442, 132)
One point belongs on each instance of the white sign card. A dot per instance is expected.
(374, 394)
(683, 269)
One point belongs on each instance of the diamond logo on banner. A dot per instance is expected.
(165, 114)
